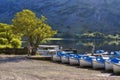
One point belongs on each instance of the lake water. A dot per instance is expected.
(84, 46)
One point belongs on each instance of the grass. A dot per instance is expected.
(54, 39)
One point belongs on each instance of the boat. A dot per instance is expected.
(99, 62)
(65, 58)
(115, 54)
(108, 65)
(116, 65)
(86, 61)
(47, 49)
(100, 52)
(74, 60)
(58, 55)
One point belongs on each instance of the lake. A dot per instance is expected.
(84, 46)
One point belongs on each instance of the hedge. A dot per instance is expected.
(16, 51)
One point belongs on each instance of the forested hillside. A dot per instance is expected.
(75, 16)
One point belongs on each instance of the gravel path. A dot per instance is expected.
(20, 68)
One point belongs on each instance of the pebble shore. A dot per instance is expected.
(20, 68)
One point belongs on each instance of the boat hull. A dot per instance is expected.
(56, 58)
(84, 63)
(64, 59)
(116, 69)
(73, 61)
(108, 66)
(97, 65)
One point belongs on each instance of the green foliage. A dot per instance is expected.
(98, 35)
(26, 23)
(3, 41)
(6, 36)
(3, 34)
(15, 43)
(87, 35)
(93, 35)
(113, 36)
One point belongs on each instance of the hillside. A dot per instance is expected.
(76, 15)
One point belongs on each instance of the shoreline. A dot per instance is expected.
(15, 67)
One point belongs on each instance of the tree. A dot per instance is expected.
(99, 35)
(36, 30)
(6, 37)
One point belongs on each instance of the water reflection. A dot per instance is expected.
(84, 46)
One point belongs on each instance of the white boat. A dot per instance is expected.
(65, 58)
(86, 61)
(47, 49)
(74, 60)
(108, 65)
(116, 66)
(58, 55)
(98, 63)
(101, 52)
(56, 58)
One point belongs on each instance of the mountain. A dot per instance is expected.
(76, 16)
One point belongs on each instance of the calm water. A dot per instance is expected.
(86, 45)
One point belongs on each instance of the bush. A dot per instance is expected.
(3, 41)
(16, 43)
(3, 34)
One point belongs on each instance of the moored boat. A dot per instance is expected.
(86, 61)
(74, 60)
(58, 55)
(116, 66)
(65, 58)
(108, 65)
(98, 63)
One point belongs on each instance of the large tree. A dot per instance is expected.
(7, 38)
(35, 29)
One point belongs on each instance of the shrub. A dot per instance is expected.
(3, 41)
(16, 43)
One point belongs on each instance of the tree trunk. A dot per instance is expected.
(93, 49)
(34, 51)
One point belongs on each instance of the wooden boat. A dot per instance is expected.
(116, 66)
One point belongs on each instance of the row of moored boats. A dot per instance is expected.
(96, 62)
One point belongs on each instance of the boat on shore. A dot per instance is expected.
(47, 49)
(99, 62)
(63, 55)
(108, 65)
(86, 61)
(116, 66)
(65, 58)
(74, 60)
(113, 56)
(58, 56)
